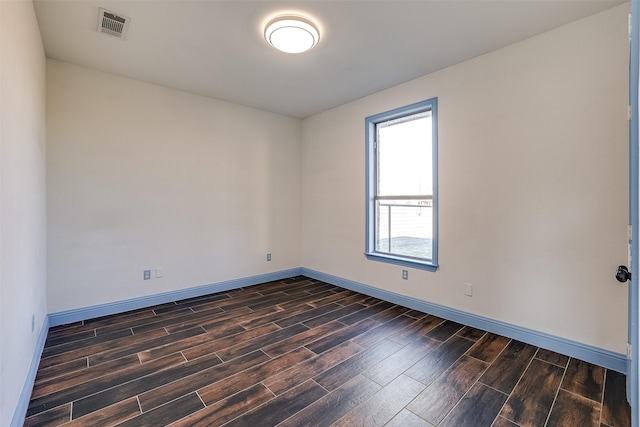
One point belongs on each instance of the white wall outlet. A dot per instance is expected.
(268, 257)
(146, 274)
(158, 273)
(468, 289)
(405, 274)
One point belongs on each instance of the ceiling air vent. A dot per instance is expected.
(113, 24)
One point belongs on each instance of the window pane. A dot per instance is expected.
(401, 185)
(404, 157)
(405, 228)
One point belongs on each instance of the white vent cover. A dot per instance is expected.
(113, 24)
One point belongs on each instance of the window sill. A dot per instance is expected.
(405, 262)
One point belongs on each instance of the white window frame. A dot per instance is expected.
(371, 172)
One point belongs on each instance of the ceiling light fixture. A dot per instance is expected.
(292, 34)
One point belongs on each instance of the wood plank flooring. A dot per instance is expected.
(300, 352)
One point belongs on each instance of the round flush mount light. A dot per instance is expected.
(292, 34)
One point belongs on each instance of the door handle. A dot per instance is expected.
(623, 274)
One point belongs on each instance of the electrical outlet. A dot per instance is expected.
(468, 289)
(268, 257)
(405, 274)
(147, 275)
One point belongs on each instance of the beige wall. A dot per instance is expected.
(143, 177)
(22, 198)
(533, 149)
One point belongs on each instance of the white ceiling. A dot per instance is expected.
(216, 48)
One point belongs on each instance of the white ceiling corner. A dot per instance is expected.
(216, 48)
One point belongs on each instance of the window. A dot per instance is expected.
(402, 202)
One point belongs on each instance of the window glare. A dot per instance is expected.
(405, 158)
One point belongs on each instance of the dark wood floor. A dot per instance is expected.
(302, 352)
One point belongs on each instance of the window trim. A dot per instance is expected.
(370, 171)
